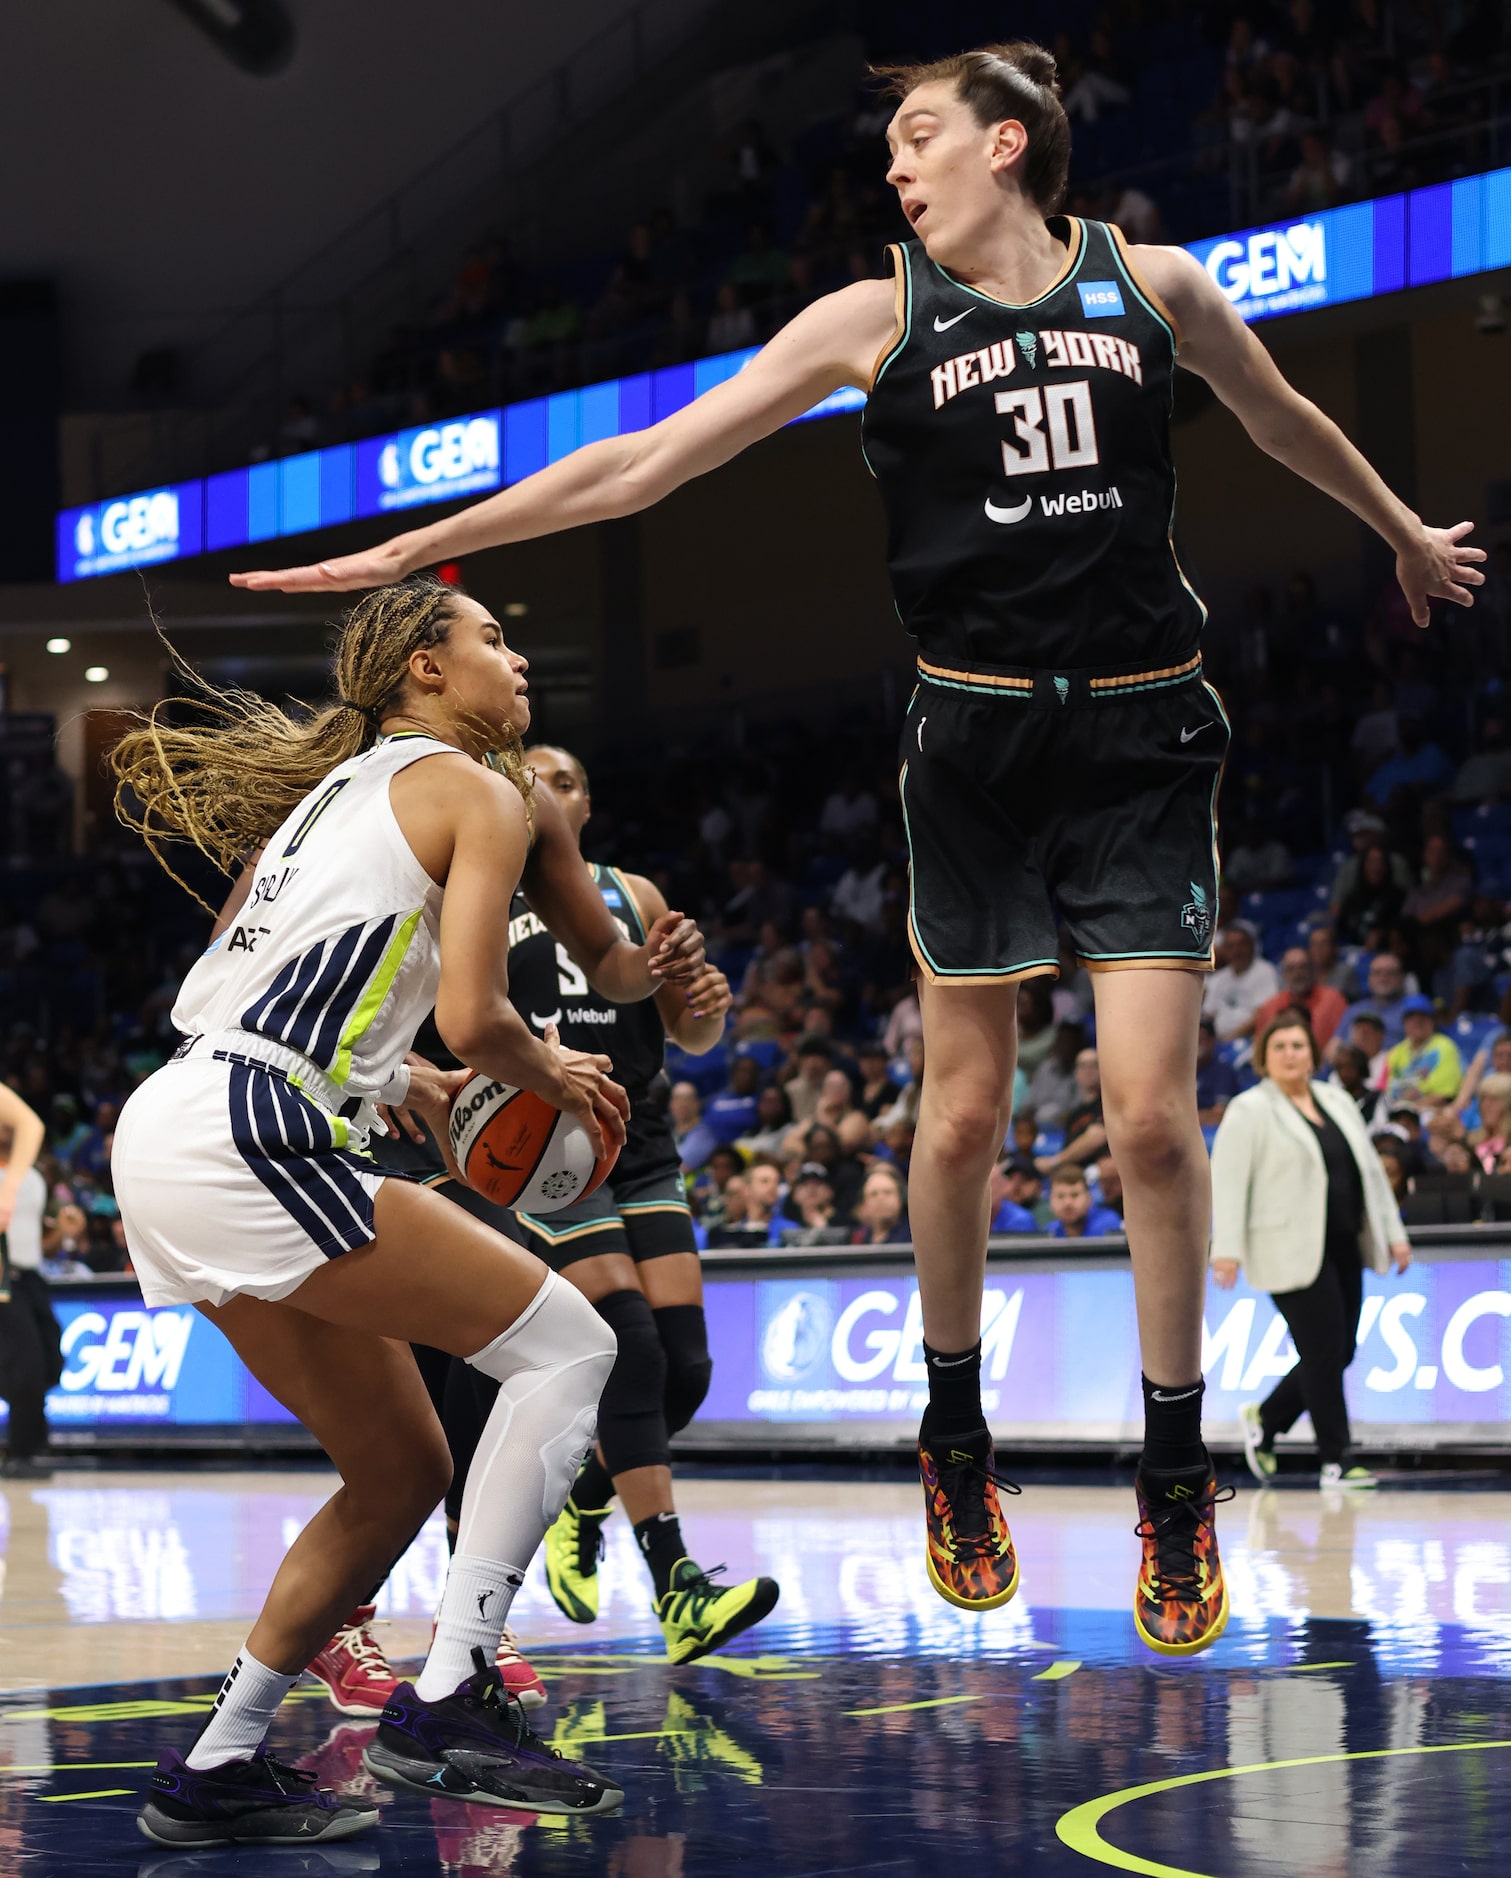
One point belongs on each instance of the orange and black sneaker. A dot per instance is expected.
(1180, 1605)
(971, 1558)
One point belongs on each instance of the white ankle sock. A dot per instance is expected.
(243, 1713)
(474, 1605)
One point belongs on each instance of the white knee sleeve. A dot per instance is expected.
(551, 1365)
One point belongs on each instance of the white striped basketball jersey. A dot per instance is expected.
(335, 953)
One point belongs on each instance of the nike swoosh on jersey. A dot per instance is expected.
(994, 514)
(943, 326)
(540, 1022)
(1187, 735)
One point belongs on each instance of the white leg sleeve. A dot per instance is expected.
(551, 1365)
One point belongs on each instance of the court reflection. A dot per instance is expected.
(186, 1551)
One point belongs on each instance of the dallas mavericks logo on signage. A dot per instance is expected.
(796, 1337)
(429, 464)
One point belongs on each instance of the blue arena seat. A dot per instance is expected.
(705, 1073)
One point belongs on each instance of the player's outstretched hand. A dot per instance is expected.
(348, 573)
(590, 1095)
(1439, 565)
(676, 949)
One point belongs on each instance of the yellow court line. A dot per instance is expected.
(644, 1734)
(1079, 1828)
(1302, 1669)
(103, 1793)
(1057, 1672)
(904, 1708)
(74, 1767)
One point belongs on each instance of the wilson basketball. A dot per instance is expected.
(517, 1150)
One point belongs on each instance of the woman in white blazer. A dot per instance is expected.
(1302, 1204)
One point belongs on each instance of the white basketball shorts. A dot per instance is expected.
(232, 1181)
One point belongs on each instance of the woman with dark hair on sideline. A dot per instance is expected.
(1301, 1203)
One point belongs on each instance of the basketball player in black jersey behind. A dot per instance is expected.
(1061, 756)
(629, 1248)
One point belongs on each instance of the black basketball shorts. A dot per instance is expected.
(642, 1212)
(1088, 796)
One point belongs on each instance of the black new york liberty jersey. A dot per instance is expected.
(1023, 454)
(547, 986)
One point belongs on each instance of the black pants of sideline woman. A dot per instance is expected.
(30, 1362)
(1324, 1323)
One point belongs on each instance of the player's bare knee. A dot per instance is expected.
(965, 1135)
(1149, 1136)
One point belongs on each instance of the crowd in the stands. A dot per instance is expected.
(1366, 813)
(1189, 117)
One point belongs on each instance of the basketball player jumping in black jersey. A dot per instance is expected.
(1061, 754)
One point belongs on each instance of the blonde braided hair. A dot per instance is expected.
(227, 784)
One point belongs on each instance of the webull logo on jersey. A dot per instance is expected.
(439, 460)
(1273, 269)
(1081, 502)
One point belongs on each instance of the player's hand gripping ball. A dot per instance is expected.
(517, 1150)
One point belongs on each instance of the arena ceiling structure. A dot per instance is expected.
(266, 129)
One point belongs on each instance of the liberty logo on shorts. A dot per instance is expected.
(1196, 915)
(1062, 689)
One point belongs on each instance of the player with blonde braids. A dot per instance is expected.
(382, 848)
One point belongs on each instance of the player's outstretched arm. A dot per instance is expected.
(1431, 563)
(832, 343)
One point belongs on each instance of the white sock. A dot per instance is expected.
(243, 1713)
(474, 1605)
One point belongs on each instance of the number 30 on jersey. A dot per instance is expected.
(1052, 425)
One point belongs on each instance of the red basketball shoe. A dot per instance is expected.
(521, 1679)
(353, 1667)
